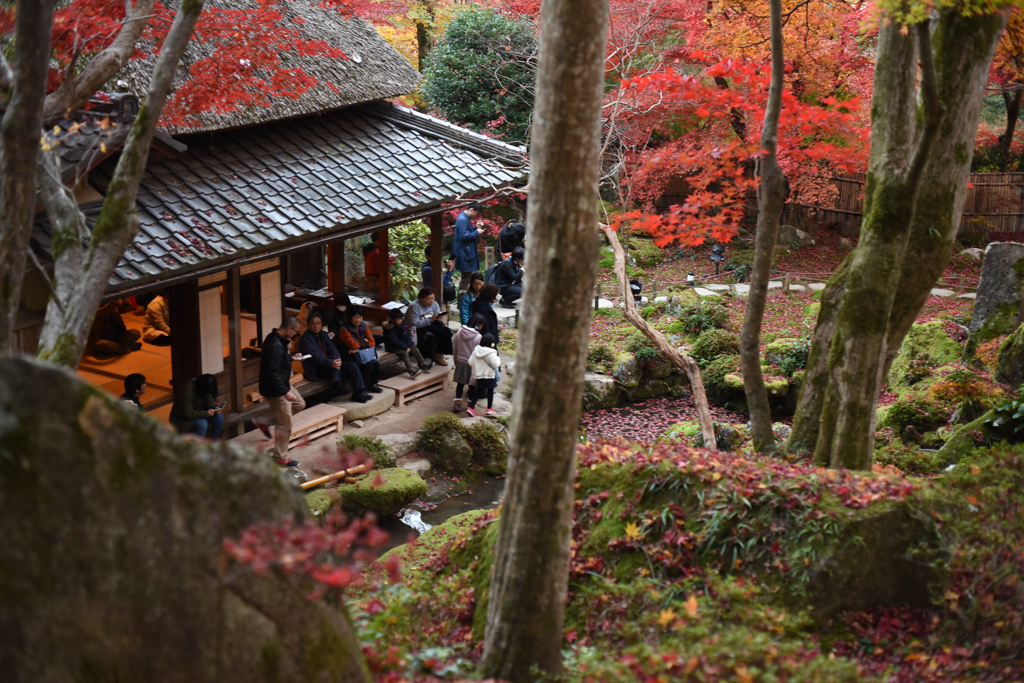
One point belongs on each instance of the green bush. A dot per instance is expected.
(700, 317)
(714, 374)
(638, 343)
(973, 236)
(912, 417)
(791, 356)
(645, 252)
(599, 356)
(383, 458)
(1007, 420)
(481, 73)
(408, 242)
(714, 343)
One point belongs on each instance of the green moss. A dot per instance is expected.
(321, 500)
(714, 378)
(928, 342)
(490, 447)
(1011, 358)
(384, 492)
(383, 458)
(63, 352)
(714, 343)
(442, 440)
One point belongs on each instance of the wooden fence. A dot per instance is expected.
(995, 202)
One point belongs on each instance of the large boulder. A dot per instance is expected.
(1010, 366)
(626, 370)
(794, 237)
(928, 342)
(113, 532)
(997, 306)
(442, 441)
(600, 391)
(383, 492)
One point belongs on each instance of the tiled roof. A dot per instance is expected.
(256, 190)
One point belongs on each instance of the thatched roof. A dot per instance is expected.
(374, 70)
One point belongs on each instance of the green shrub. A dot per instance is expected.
(469, 72)
(714, 343)
(714, 374)
(599, 356)
(1007, 420)
(645, 252)
(383, 458)
(649, 311)
(408, 242)
(638, 343)
(791, 356)
(908, 458)
(706, 315)
(912, 417)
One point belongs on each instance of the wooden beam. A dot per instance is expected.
(186, 359)
(382, 266)
(437, 258)
(336, 267)
(232, 291)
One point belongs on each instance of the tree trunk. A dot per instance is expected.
(1013, 101)
(19, 141)
(681, 361)
(525, 613)
(913, 199)
(424, 33)
(771, 196)
(81, 272)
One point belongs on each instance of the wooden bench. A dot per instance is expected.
(408, 388)
(307, 425)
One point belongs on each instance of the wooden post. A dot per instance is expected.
(382, 267)
(232, 291)
(336, 267)
(186, 361)
(437, 258)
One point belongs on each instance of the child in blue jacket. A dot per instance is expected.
(398, 341)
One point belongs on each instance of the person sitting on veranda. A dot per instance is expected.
(355, 339)
(196, 410)
(433, 337)
(397, 340)
(156, 329)
(109, 336)
(509, 278)
(134, 388)
(325, 361)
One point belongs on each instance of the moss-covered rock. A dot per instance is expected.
(687, 432)
(712, 344)
(321, 501)
(1010, 364)
(114, 530)
(383, 492)
(964, 440)
(776, 386)
(442, 441)
(489, 446)
(776, 351)
(600, 391)
(714, 378)
(926, 342)
(626, 370)
(997, 306)
(658, 367)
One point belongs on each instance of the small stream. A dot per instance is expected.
(484, 494)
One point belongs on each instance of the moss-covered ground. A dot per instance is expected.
(690, 565)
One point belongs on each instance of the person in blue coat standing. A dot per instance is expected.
(467, 260)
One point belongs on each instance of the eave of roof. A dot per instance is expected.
(247, 194)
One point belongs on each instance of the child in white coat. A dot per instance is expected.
(484, 363)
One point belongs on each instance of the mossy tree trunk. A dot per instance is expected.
(525, 615)
(921, 147)
(22, 89)
(424, 14)
(28, 109)
(771, 197)
(83, 261)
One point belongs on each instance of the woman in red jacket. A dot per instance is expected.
(355, 336)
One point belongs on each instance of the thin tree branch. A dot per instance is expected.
(934, 109)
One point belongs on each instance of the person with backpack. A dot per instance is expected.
(484, 363)
(355, 337)
(466, 340)
(509, 278)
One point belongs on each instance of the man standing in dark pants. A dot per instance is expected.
(276, 388)
(464, 245)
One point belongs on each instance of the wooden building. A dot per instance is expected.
(242, 213)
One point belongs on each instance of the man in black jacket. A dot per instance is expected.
(512, 235)
(276, 388)
(509, 278)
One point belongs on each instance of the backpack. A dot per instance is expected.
(491, 273)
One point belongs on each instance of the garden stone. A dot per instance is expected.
(701, 291)
(421, 466)
(358, 424)
(383, 492)
(845, 244)
(400, 444)
(850, 229)
(817, 286)
(774, 284)
(1010, 366)
(452, 453)
(659, 367)
(794, 237)
(377, 404)
(742, 289)
(968, 295)
(626, 370)
(929, 341)
(604, 303)
(727, 438)
(997, 308)
(974, 252)
(600, 391)
(782, 431)
(113, 532)
(942, 293)
(797, 288)
(661, 299)
(718, 287)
